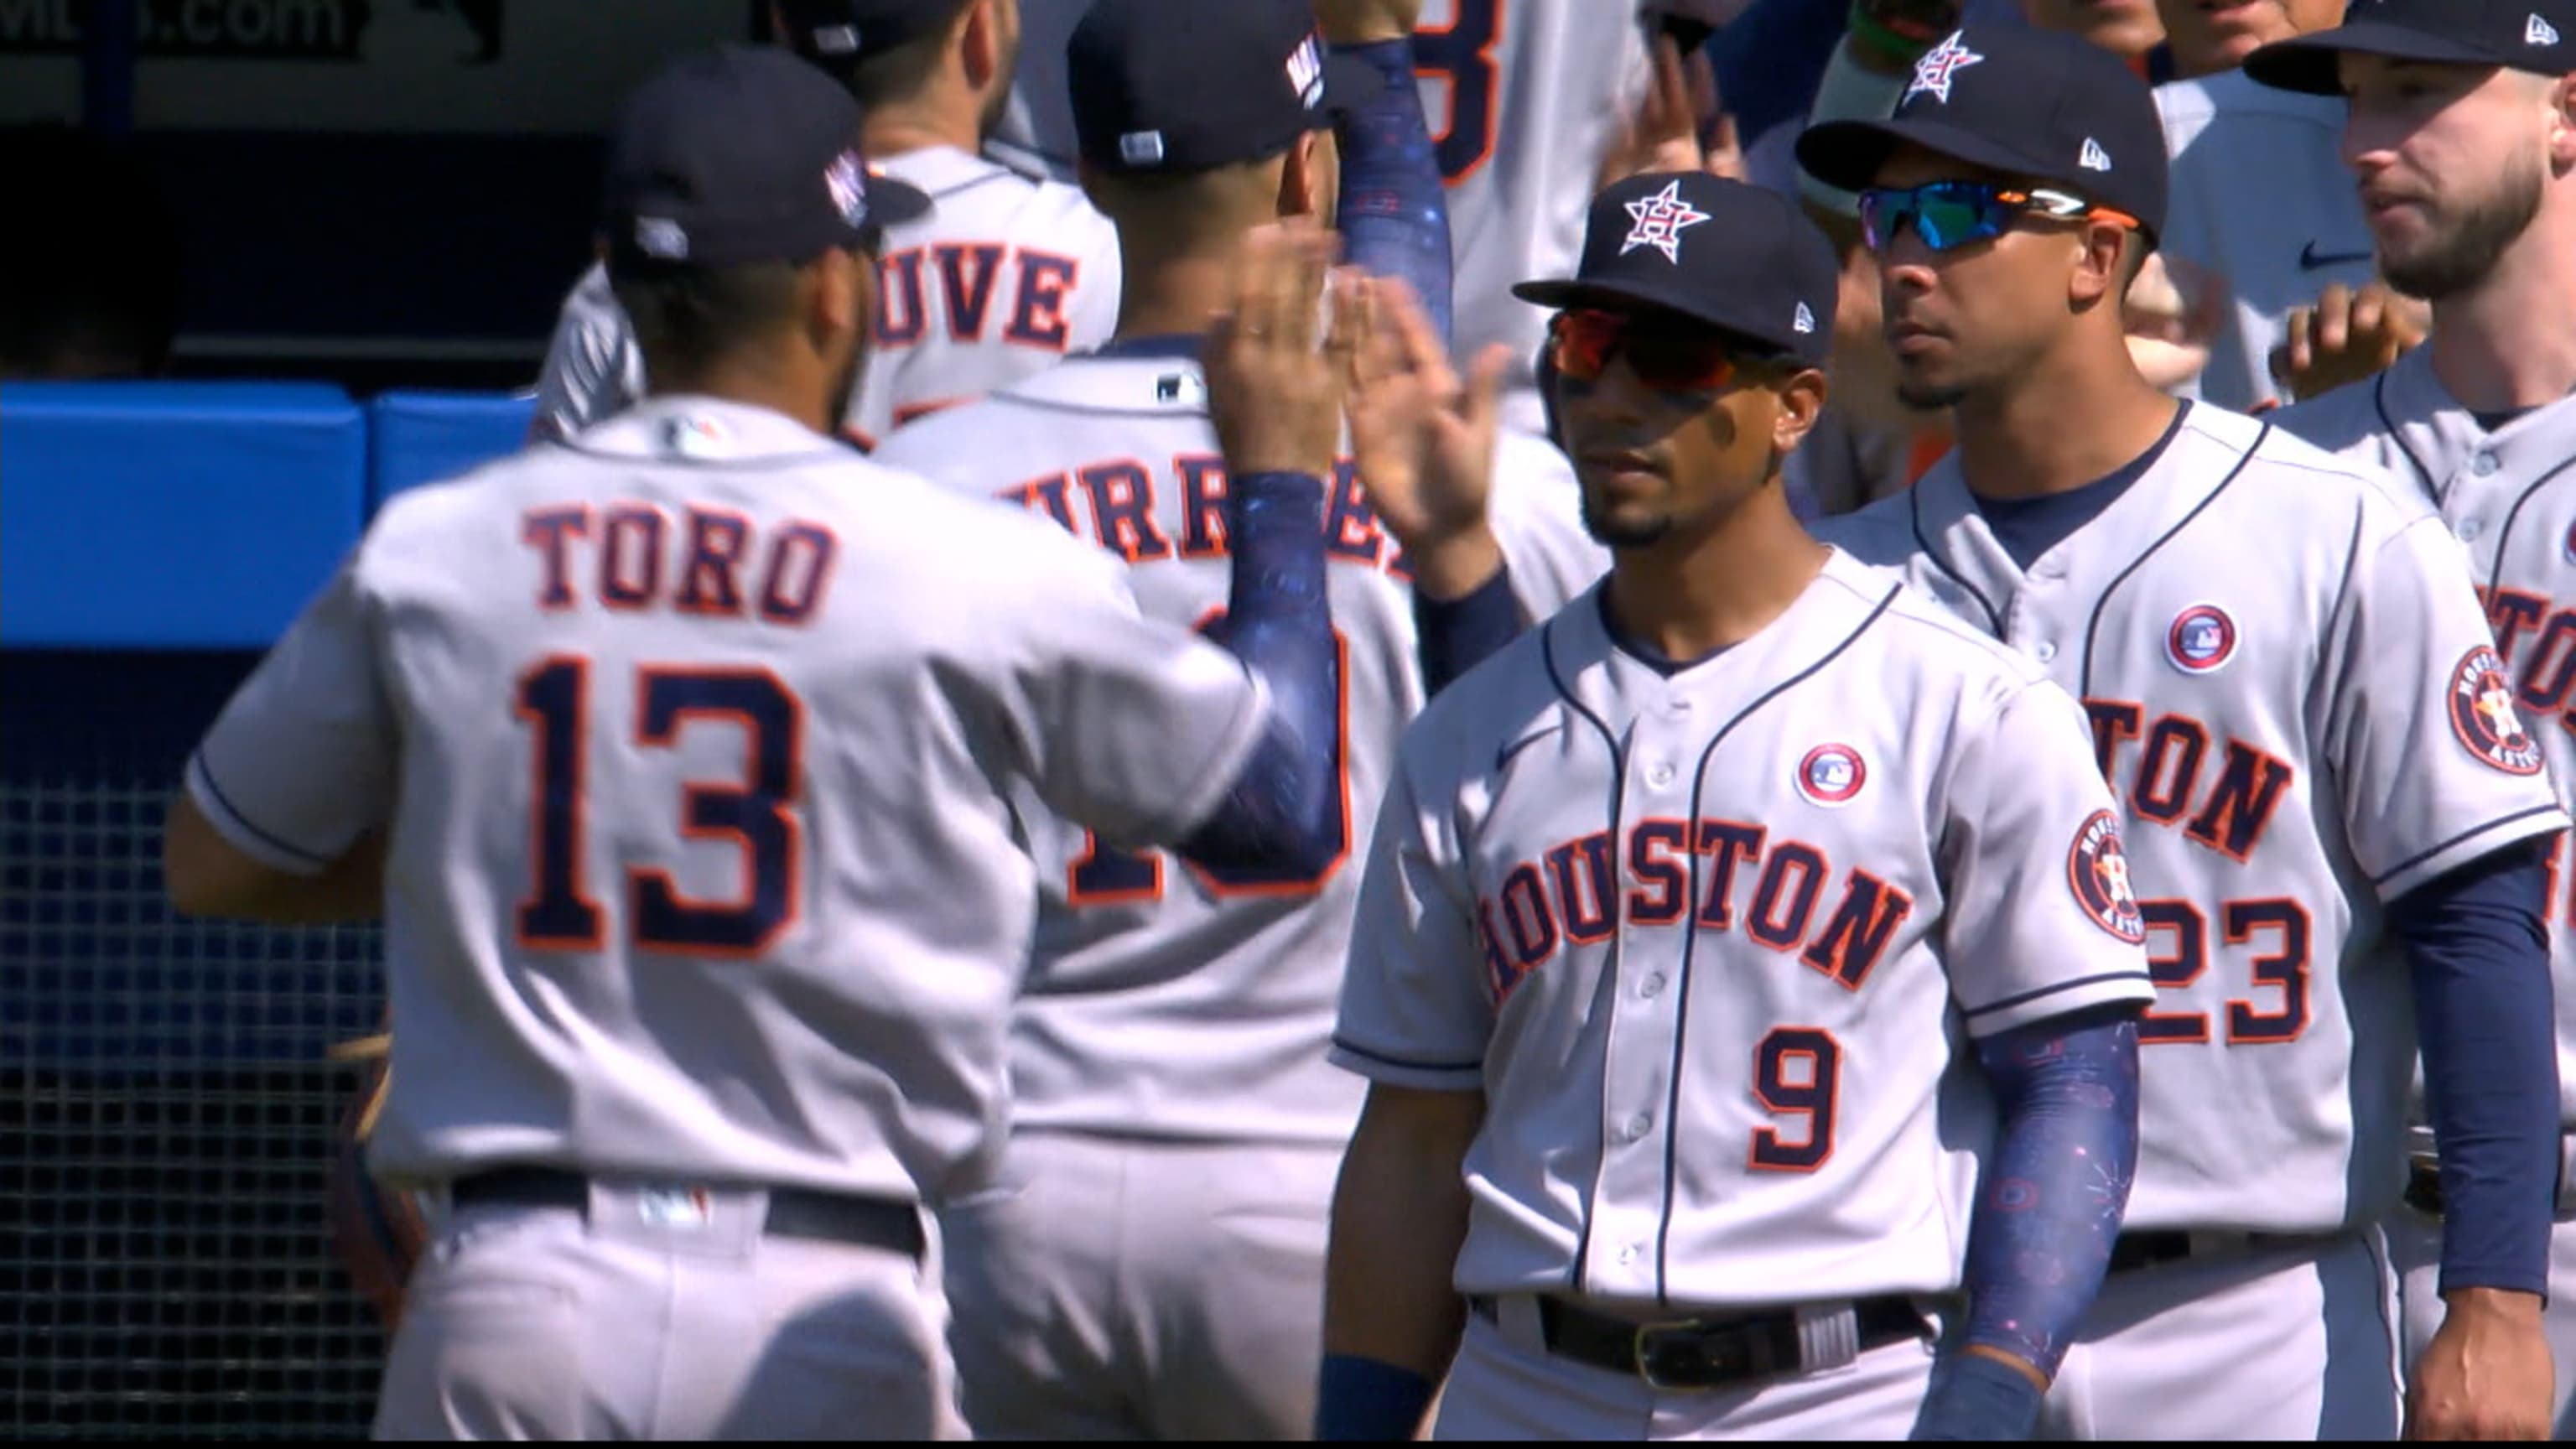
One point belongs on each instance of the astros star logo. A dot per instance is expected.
(1933, 72)
(1660, 220)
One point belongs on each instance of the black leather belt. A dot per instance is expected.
(1702, 1353)
(794, 1212)
(2133, 1251)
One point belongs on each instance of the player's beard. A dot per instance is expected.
(1923, 398)
(2467, 249)
(1624, 533)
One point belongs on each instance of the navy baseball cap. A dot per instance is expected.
(2028, 102)
(1180, 86)
(739, 156)
(2532, 35)
(1739, 258)
(841, 33)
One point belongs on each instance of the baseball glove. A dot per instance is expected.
(377, 1231)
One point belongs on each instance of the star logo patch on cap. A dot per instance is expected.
(1934, 71)
(1660, 220)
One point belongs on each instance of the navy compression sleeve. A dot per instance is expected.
(1394, 214)
(1455, 635)
(2484, 1013)
(2048, 1210)
(1282, 809)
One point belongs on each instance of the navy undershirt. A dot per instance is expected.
(2029, 527)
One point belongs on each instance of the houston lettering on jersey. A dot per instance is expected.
(1780, 891)
(1112, 502)
(2535, 636)
(2172, 772)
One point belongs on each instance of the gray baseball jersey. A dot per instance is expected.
(2261, 198)
(1523, 97)
(694, 737)
(1710, 943)
(2293, 693)
(2509, 495)
(1002, 277)
(1166, 1000)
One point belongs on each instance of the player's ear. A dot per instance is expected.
(982, 43)
(1306, 181)
(2562, 128)
(2100, 271)
(1802, 400)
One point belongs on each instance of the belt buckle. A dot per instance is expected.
(1705, 1356)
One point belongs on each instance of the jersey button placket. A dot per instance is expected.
(1637, 1063)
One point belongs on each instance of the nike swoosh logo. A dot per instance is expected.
(2310, 259)
(1503, 756)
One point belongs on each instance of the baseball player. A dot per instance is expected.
(683, 760)
(1715, 930)
(2290, 685)
(2256, 201)
(2457, 110)
(1152, 1266)
(1004, 277)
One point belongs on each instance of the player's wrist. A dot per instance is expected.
(1452, 566)
(1983, 1395)
(2490, 1301)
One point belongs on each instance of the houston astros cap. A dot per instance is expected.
(742, 155)
(1179, 86)
(1739, 258)
(2028, 102)
(2532, 35)
(841, 33)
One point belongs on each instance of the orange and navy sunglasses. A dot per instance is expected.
(1952, 214)
(1664, 356)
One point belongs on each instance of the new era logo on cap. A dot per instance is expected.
(2093, 157)
(836, 40)
(846, 178)
(1141, 148)
(1939, 64)
(1306, 72)
(1805, 321)
(1660, 220)
(2536, 31)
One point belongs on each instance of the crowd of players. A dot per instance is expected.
(1237, 296)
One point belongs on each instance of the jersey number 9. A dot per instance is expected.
(756, 816)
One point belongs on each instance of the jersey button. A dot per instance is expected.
(2483, 464)
(2044, 651)
(1659, 775)
(1652, 986)
(2469, 530)
(1628, 1254)
(1638, 1126)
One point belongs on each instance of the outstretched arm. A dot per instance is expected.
(1394, 211)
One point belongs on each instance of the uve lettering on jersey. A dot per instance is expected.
(2536, 637)
(1779, 891)
(698, 560)
(1115, 502)
(964, 278)
(2222, 793)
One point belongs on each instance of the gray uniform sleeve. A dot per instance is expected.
(302, 760)
(2042, 919)
(1133, 727)
(2434, 763)
(592, 369)
(1415, 1008)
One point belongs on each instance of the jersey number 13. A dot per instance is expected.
(755, 815)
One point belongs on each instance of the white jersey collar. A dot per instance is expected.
(690, 428)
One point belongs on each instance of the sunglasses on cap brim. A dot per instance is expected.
(1665, 357)
(1951, 214)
